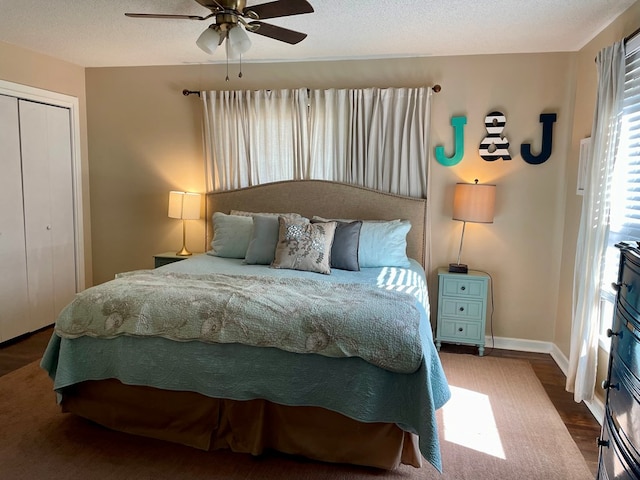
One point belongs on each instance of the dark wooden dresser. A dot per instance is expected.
(620, 438)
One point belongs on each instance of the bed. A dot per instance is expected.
(186, 352)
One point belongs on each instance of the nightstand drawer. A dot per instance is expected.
(452, 286)
(459, 331)
(463, 309)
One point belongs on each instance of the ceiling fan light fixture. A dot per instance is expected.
(209, 40)
(239, 42)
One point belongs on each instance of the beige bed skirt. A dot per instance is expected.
(253, 426)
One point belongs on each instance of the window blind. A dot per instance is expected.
(624, 221)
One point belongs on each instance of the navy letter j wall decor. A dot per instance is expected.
(547, 119)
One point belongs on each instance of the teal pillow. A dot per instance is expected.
(231, 234)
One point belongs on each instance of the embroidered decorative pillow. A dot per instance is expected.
(304, 246)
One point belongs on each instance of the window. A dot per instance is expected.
(624, 217)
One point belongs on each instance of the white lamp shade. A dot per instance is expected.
(474, 203)
(239, 41)
(184, 205)
(208, 40)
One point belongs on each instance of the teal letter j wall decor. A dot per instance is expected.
(458, 124)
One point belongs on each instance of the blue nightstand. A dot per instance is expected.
(462, 308)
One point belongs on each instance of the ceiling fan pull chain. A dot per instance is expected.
(240, 74)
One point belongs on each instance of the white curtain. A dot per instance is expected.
(594, 221)
(374, 137)
(329, 123)
(254, 137)
(377, 138)
(390, 139)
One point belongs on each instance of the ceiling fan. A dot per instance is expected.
(229, 14)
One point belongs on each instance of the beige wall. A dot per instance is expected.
(145, 139)
(586, 87)
(25, 67)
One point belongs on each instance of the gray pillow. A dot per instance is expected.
(263, 240)
(344, 251)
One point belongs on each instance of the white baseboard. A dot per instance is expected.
(595, 406)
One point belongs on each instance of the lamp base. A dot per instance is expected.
(184, 252)
(458, 268)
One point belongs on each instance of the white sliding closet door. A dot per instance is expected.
(14, 304)
(45, 139)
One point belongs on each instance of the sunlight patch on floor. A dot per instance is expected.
(469, 421)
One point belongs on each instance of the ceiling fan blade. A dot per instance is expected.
(277, 33)
(281, 8)
(154, 15)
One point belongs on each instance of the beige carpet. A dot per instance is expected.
(500, 424)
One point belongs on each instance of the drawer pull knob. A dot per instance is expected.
(606, 384)
(463, 288)
(602, 443)
(611, 333)
(460, 329)
(616, 286)
(462, 309)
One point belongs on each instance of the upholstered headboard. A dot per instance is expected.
(325, 199)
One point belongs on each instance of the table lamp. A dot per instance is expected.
(475, 203)
(185, 206)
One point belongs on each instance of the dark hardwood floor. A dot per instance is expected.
(579, 421)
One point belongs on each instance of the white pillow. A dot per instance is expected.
(384, 244)
(231, 235)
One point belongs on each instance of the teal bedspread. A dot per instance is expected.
(293, 314)
(351, 386)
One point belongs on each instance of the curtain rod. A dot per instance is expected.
(626, 39)
(631, 35)
(436, 89)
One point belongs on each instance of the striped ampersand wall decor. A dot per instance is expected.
(494, 146)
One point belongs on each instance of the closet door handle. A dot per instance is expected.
(48, 227)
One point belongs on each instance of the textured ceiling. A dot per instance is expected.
(97, 34)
